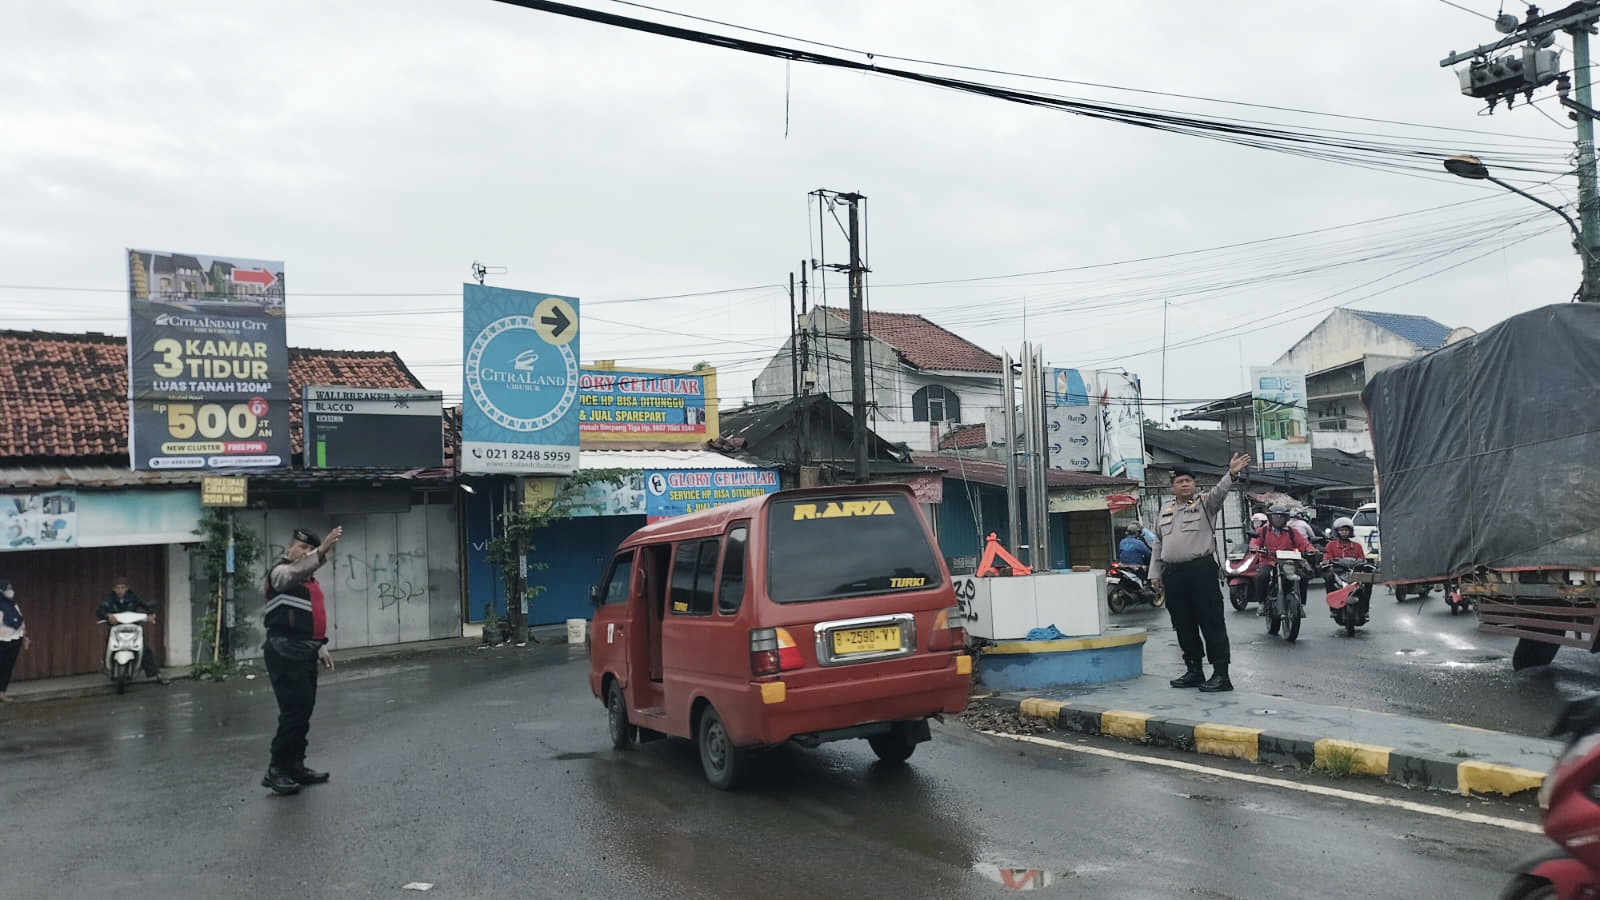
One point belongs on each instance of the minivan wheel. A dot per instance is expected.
(894, 747)
(723, 763)
(617, 718)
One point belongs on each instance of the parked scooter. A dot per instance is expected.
(1571, 868)
(1241, 570)
(124, 647)
(1349, 602)
(1286, 594)
(1127, 584)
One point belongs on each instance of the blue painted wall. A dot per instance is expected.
(576, 551)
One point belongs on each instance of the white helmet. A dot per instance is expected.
(1343, 522)
(1257, 520)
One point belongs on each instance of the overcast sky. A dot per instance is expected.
(380, 147)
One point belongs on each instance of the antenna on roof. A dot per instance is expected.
(479, 270)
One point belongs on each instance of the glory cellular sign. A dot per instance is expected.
(208, 362)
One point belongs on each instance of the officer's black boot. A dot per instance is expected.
(303, 775)
(1193, 676)
(1218, 681)
(280, 781)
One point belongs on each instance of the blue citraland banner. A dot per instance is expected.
(519, 409)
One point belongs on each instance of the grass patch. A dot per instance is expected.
(1461, 754)
(1338, 761)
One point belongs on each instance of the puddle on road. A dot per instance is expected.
(567, 757)
(1411, 651)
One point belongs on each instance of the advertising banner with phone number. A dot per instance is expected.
(208, 362)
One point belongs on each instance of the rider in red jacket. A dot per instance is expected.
(1274, 536)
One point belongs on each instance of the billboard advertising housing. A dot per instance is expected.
(1283, 433)
(519, 408)
(208, 362)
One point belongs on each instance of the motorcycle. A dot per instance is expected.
(1349, 601)
(1286, 594)
(1126, 584)
(1456, 600)
(1571, 868)
(124, 647)
(1241, 571)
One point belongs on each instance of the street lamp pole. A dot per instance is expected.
(1473, 168)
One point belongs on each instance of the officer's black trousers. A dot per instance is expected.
(1194, 600)
(294, 683)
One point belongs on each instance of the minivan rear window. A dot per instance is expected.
(1365, 518)
(821, 549)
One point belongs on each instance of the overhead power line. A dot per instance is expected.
(1407, 155)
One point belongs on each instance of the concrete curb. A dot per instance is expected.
(1261, 745)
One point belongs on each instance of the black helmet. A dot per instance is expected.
(1278, 509)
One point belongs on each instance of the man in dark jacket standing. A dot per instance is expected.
(297, 640)
(123, 600)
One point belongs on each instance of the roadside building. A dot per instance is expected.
(922, 380)
(77, 515)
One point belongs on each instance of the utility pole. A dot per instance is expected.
(858, 341)
(794, 342)
(1534, 65)
(857, 272)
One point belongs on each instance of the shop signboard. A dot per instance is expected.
(42, 520)
(654, 405)
(372, 428)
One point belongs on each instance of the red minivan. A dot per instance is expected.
(809, 616)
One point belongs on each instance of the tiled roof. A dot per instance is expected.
(966, 437)
(1419, 330)
(922, 343)
(65, 396)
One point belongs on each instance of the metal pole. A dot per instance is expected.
(1008, 413)
(794, 342)
(858, 348)
(1040, 473)
(1588, 189)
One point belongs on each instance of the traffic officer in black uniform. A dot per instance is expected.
(296, 619)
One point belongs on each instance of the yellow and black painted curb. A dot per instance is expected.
(1261, 745)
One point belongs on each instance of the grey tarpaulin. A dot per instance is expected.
(1488, 450)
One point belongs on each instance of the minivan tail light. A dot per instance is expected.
(948, 630)
(773, 650)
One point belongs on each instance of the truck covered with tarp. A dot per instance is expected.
(1488, 459)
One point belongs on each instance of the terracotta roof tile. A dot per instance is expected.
(64, 396)
(922, 343)
(966, 437)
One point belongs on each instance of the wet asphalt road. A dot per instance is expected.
(1409, 659)
(488, 774)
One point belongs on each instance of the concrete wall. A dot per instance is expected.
(1343, 337)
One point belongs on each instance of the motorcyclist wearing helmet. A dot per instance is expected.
(1258, 521)
(1274, 536)
(1343, 544)
(1300, 521)
(1133, 551)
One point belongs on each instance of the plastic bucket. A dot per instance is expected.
(577, 630)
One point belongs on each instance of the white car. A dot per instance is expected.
(1366, 528)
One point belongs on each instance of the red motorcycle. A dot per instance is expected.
(1571, 869)
(1241, 571)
